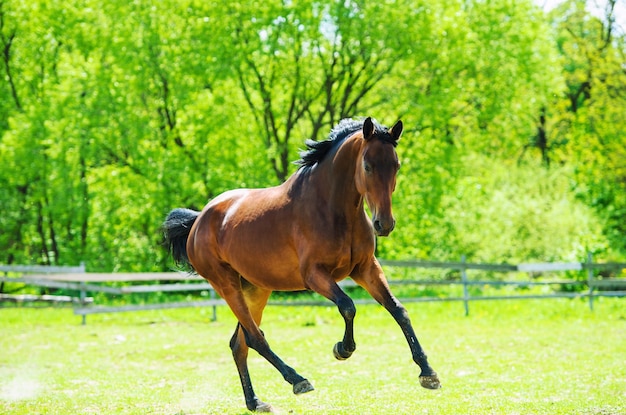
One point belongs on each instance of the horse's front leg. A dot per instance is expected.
(372, 278)
(323, 284)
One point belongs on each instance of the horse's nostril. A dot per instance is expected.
(378, 226)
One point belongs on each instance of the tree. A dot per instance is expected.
(590, 114)
(485, 69)
(113, 113)
(303, 66)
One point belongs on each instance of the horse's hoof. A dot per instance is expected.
(301, 387)
(264, 408)
(430, 382)
(340, 353)
(260, 406)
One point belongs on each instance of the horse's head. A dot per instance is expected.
(376, 173)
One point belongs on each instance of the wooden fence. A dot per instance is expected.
(77, 280)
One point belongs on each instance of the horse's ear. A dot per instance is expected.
(396, 130)
(368, 128)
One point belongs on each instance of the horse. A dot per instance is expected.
(308, 233)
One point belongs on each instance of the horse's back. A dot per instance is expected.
(251, 230)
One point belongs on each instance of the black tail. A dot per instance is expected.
(176, 230)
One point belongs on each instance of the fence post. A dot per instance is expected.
(590, 279)
(465, 288)
(83, 292)
(212, 296)
(83, 296)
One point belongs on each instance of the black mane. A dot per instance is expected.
(317, 150)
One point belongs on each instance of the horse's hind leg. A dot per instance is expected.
(247, 303)
(256, 299)
(240, 354)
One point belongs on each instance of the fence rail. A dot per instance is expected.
(76, 279)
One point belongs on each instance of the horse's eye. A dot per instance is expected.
(367, 167)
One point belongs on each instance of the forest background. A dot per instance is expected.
(113, 113)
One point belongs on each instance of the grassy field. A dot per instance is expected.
(516, 357)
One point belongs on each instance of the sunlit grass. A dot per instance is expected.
(521, 357)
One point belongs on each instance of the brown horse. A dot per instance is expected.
(308, 233)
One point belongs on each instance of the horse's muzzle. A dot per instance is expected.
(383, 227)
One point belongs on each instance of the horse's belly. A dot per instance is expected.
(265, 261)
(271, 272)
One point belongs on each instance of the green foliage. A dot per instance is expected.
(593, 51)
(502, 213)
(113, 113)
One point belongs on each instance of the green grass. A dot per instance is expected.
(516, 357)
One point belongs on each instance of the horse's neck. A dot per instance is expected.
(337, 182)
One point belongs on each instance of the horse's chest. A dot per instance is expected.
(345, 257)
